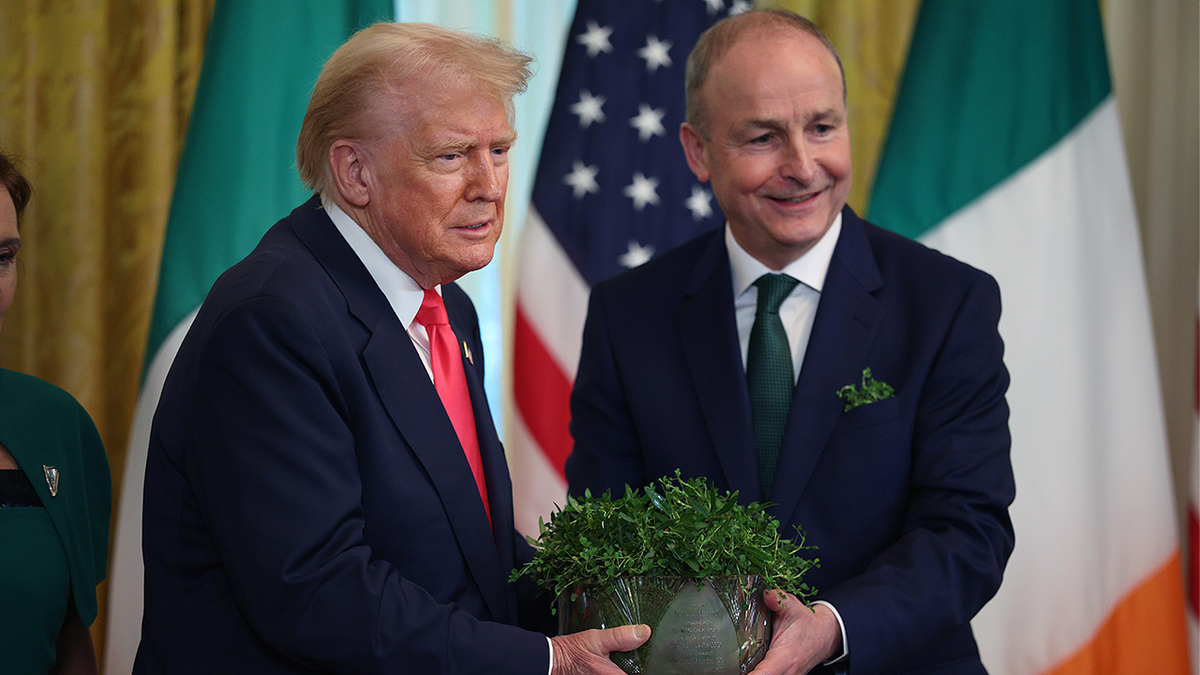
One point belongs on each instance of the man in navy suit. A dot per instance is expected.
(325, 490)
(692, 362)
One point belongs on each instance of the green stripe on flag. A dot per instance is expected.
(988, 86)
(237, 174)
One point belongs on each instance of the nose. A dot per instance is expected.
(799, 163)
(486, 182)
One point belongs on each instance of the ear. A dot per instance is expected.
(694, 147)
(348, 162)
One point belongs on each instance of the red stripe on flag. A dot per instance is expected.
(542, 392)
(1193, 577)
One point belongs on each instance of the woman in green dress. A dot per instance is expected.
(54, 500)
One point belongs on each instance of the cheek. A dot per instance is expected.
(728, 178)
(8, 287)
(749, 174)
(837, 161)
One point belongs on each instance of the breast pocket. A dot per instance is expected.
(869, 415)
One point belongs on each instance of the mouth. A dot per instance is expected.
(796, 200)
(476, 228)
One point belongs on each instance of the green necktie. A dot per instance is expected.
(769, 375)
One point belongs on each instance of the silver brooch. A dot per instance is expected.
(51, 479)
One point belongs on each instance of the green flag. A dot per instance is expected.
(1005, 152)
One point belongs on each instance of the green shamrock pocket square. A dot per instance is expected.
(872, 390)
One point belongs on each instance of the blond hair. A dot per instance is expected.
(376, 65)
(723, 35)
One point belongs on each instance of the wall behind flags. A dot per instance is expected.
(95, 96)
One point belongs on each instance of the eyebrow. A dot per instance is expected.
(10, 241)
(462, 146)
(827, 114)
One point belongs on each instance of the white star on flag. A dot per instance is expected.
(589, 109)
(642, 191)
(655, 53)
(636, 255)
(583, 179)
(596, 39)
(700, 203)
(648, 122)
(715, 6)
(740, 7)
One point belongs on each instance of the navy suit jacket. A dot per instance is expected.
(906, 498)
(308, 507)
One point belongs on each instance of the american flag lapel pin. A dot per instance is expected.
(467, 353)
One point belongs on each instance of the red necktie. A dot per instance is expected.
(450, 380)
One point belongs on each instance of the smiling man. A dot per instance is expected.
(325, 490)
(729, 358)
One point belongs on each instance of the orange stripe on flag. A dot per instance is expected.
(1144, 634)
(542, 392)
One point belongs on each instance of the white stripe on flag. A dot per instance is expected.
(124, 623)
(537, 485)
(1093, 513)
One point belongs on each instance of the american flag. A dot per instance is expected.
(612, 190)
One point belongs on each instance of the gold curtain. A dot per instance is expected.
(872, 40)
(94, 100)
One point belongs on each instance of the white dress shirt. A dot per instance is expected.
(797, 312)
(799, 308)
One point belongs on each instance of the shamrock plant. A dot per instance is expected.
(672, 527)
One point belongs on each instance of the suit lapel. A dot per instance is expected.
(710, 346)
(411, 401)
(846, 322)
(495, 466)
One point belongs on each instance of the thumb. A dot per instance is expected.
(623, 638)
(776, 599)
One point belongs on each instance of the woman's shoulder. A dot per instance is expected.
(22, 392)
(37, 413)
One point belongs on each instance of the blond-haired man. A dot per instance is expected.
(325, 490)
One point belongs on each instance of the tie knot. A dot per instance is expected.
(772, 289)
(433, 310)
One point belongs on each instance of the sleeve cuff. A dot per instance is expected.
(842, 626)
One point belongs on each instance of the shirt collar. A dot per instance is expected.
(402, 292)
(810, 269)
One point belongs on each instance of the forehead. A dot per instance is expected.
(775, 66)
(8, 215)
(429, 110)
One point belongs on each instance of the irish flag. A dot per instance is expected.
(236, 178)
(1005, 152)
